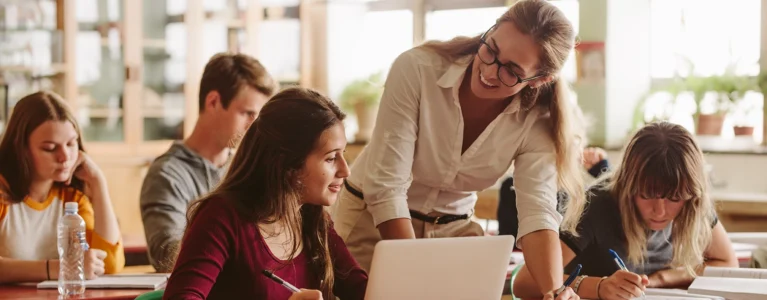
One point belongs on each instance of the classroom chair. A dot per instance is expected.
(153, 295)
(511, 280)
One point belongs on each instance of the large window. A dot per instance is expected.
(707, 35)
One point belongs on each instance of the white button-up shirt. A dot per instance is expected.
(414, 159)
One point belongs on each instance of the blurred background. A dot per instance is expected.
(131, 70)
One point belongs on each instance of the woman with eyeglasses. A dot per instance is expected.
(454, 117)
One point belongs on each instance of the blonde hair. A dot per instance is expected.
(663, 160)
(550, 29)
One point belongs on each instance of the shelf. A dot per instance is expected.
(49, 70)
(25, 30)
(160, 113)
(104, 113)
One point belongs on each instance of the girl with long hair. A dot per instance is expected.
(267, 213)
(655, 212)
(43, 165)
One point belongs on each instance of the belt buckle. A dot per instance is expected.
(436, 220)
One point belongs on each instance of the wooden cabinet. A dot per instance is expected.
(130, 69)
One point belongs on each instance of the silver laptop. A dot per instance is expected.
(440, 268)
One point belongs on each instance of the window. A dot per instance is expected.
(707, 35)
(366, 44)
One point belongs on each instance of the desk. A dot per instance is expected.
(30, 291)
(22, 292)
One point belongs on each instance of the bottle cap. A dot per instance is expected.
(70, 206)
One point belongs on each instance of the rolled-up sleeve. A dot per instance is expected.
(535, 181)
(392, 146)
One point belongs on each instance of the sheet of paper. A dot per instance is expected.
(652, 292)
(735, 272)
(147, 281)
(677, 298)
(730, 288)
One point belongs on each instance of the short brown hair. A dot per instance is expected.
(228, 73)
(30, 112)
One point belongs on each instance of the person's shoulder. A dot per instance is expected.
(173, 163)
(421, 56)
(600, 200)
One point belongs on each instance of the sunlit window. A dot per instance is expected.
(707, 35)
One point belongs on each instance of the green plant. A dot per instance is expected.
(365, 91)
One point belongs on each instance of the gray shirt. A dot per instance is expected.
(600, 229)
(173, 181)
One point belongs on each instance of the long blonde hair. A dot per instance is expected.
(550, 29)
(663, 160)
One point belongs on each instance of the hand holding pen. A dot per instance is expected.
(297, 294)
(623, 284)
(564, 292)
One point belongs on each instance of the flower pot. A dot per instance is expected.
(743, 130)
(366, 121)
(710, 124)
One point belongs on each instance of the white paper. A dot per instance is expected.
(730, 288)
(127, 281)
(735, 272)
(653, 292)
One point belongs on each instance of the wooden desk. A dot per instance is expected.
(30, 291)
(22, 292)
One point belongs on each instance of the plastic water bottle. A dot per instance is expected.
(72, 246)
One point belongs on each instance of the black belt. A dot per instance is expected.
(439, 220)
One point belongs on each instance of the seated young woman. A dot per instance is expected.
(655, 212)
(42, 166)
(268, 212)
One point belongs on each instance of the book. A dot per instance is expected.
(119, 281)
(675, 294)
(731, 283)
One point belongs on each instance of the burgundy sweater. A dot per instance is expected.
(222, 257)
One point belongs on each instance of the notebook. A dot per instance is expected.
(675, 294)
(732, 283)
(120, 281)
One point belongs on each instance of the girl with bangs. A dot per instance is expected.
(654, 211)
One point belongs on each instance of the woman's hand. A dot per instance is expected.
(306, 295)
(592, 156)
(566, 294)
(622, 285)
(94, 263)
(87, 171)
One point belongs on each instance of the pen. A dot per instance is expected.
(569, 280)
(621, 265)
(280, 281)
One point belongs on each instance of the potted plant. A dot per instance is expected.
(361, 97)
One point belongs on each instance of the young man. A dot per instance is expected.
(233, 89)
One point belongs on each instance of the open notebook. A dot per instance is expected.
(731, 283)
(119, 281)
(675, 294)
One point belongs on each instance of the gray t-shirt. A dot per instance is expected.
(173, 181)
(600, 229)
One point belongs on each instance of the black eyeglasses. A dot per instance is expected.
(489, 56)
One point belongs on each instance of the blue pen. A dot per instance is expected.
(569, 280)
(621, 265)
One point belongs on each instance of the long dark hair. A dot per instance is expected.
(16, 164)
(263, 177)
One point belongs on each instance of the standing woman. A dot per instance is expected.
(453, 117)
